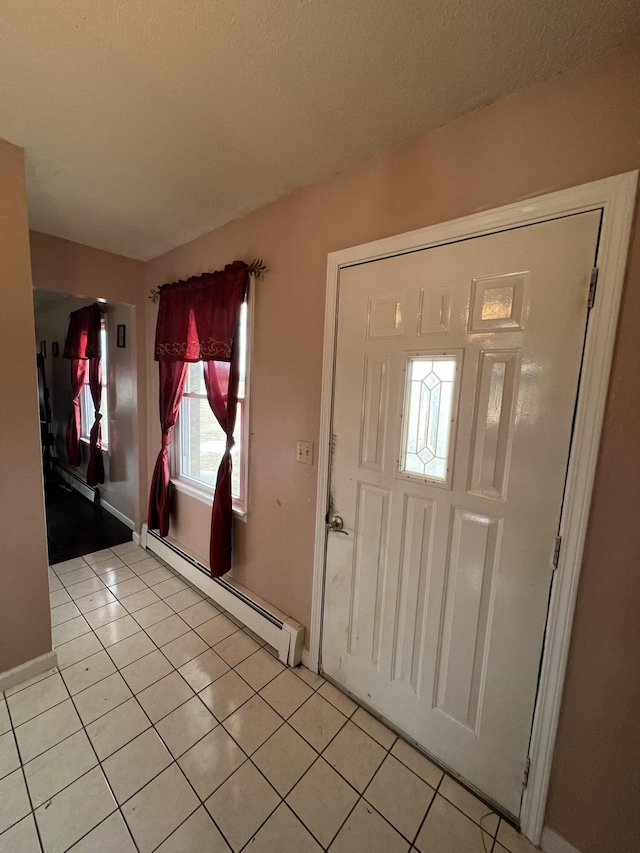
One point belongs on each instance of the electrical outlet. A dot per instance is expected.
(304, 452)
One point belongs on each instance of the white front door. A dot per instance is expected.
(456, 376)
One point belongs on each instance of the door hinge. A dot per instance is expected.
(525, 775)
(593, 284)
(556, 551)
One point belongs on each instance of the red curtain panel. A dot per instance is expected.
(72, 434)
(82, 344)
(172, 378)
(95, 468)
(221, 382)
(198, 320)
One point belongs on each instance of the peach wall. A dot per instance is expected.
(25, 623)
(577, 127)
(67, 267)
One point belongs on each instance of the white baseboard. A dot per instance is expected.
(551, 842)
(28, 670)
(89, 493)
(74, 481)
(128, 522)
(276, 628)
(136, 537)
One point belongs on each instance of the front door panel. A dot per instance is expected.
(456, 377)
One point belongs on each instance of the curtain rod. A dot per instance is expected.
(257, 268)
(101, 305)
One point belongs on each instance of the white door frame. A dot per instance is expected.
(616, 196)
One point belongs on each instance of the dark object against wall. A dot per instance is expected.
(121, 336)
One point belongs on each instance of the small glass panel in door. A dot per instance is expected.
(428, 412)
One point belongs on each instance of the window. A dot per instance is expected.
(200, 440)
(87, 409)
(428, 414)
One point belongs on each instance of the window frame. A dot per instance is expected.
(197, 488)
(86, 400)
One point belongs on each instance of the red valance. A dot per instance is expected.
(197, 318)
(83, 336)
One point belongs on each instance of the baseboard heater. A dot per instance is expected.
(278, 630)
(90, 493)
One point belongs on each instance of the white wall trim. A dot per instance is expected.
(28, 670)
(128, 522)
(554, 843)
(199, 494)
(89, 492)
(616, 197)
(276, 628)
(75, 481)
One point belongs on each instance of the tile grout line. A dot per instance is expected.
(248, 757)
(256, 692)
(219, 723)
(153, 726)
(444, 775)
(83, 728)
(319, 755)
(284, 803)
(429, 807)
(361, 796)
(24, 780)
(99, 764)
(106, 649)
(175, 669)
(333, 838)
(173, 761)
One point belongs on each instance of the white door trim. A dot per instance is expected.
(616, 196)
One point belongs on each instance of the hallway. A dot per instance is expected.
(75, 526)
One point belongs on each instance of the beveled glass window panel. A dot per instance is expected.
(427, 416)
(498, 303)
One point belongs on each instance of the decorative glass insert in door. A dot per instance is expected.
(428, 412)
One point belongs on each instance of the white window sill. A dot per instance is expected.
(85, 440)
(201, 495)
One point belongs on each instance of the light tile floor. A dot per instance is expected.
(168, 727)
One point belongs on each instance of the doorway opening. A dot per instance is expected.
(614, 198)
(83, 519)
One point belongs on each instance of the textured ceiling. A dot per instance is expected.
(149, 122)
